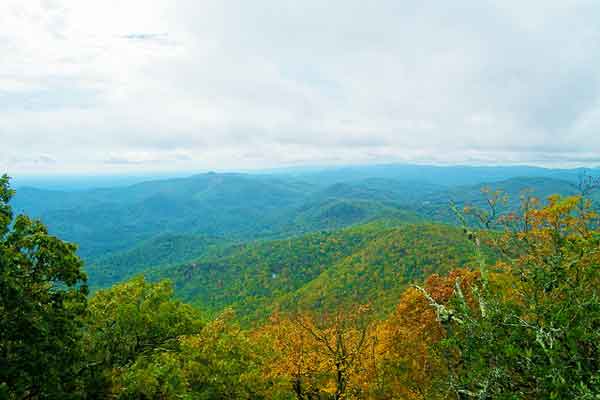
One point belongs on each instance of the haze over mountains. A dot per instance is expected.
(248, 240)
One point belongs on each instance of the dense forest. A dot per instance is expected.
(228, 286)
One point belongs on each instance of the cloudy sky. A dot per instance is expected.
(105, 86)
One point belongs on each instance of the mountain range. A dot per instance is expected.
(261, 241)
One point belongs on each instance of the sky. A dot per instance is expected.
(166, 85)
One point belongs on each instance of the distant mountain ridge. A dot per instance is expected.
(179, 219)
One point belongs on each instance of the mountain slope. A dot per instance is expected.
(233, 208)
(163, 250)
(367, 263)
(106, 220)
(378, 272)
(229, 206)
(448, 176)
(256, 273)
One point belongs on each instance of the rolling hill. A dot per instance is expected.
(107, 220)
(163, 250)
(232, 207)
(370, 263)
(125, 230)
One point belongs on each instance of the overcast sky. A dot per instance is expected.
(128, 85)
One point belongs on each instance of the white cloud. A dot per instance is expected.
(228, 84)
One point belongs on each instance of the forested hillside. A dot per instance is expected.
(501, 305)
(370, 263)
(107, 220)
(225, 209)
(435, 206)
(230, 206)
(163, 250)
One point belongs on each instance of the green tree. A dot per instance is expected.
(223, 363)
(42, 304)
(134, 324)
(143, 344)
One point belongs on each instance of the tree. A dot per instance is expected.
(133, 326)
(294, 359)
(222, 363)
(323, 356)
(143, 344)
(535, 333)
(412, 363)
(42, 305)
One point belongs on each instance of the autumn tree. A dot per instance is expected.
(411, 365)
(293, 357)
(535, 333)
(324, 355)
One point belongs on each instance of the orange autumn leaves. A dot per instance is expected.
(347, 355)
(322, 356)
(408, 338)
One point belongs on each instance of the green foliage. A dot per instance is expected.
(131, 322)
(535, 333)
(253, 275)
(143, 344)
(335, 213)
(122, 230)
(115, 219)
(163, 250)
(157, 376)
(223, 363)
(435, 206)
(381, 270)
(42, 303)
(322, 271)
(255, 206)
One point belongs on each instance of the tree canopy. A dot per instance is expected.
(42, 306)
